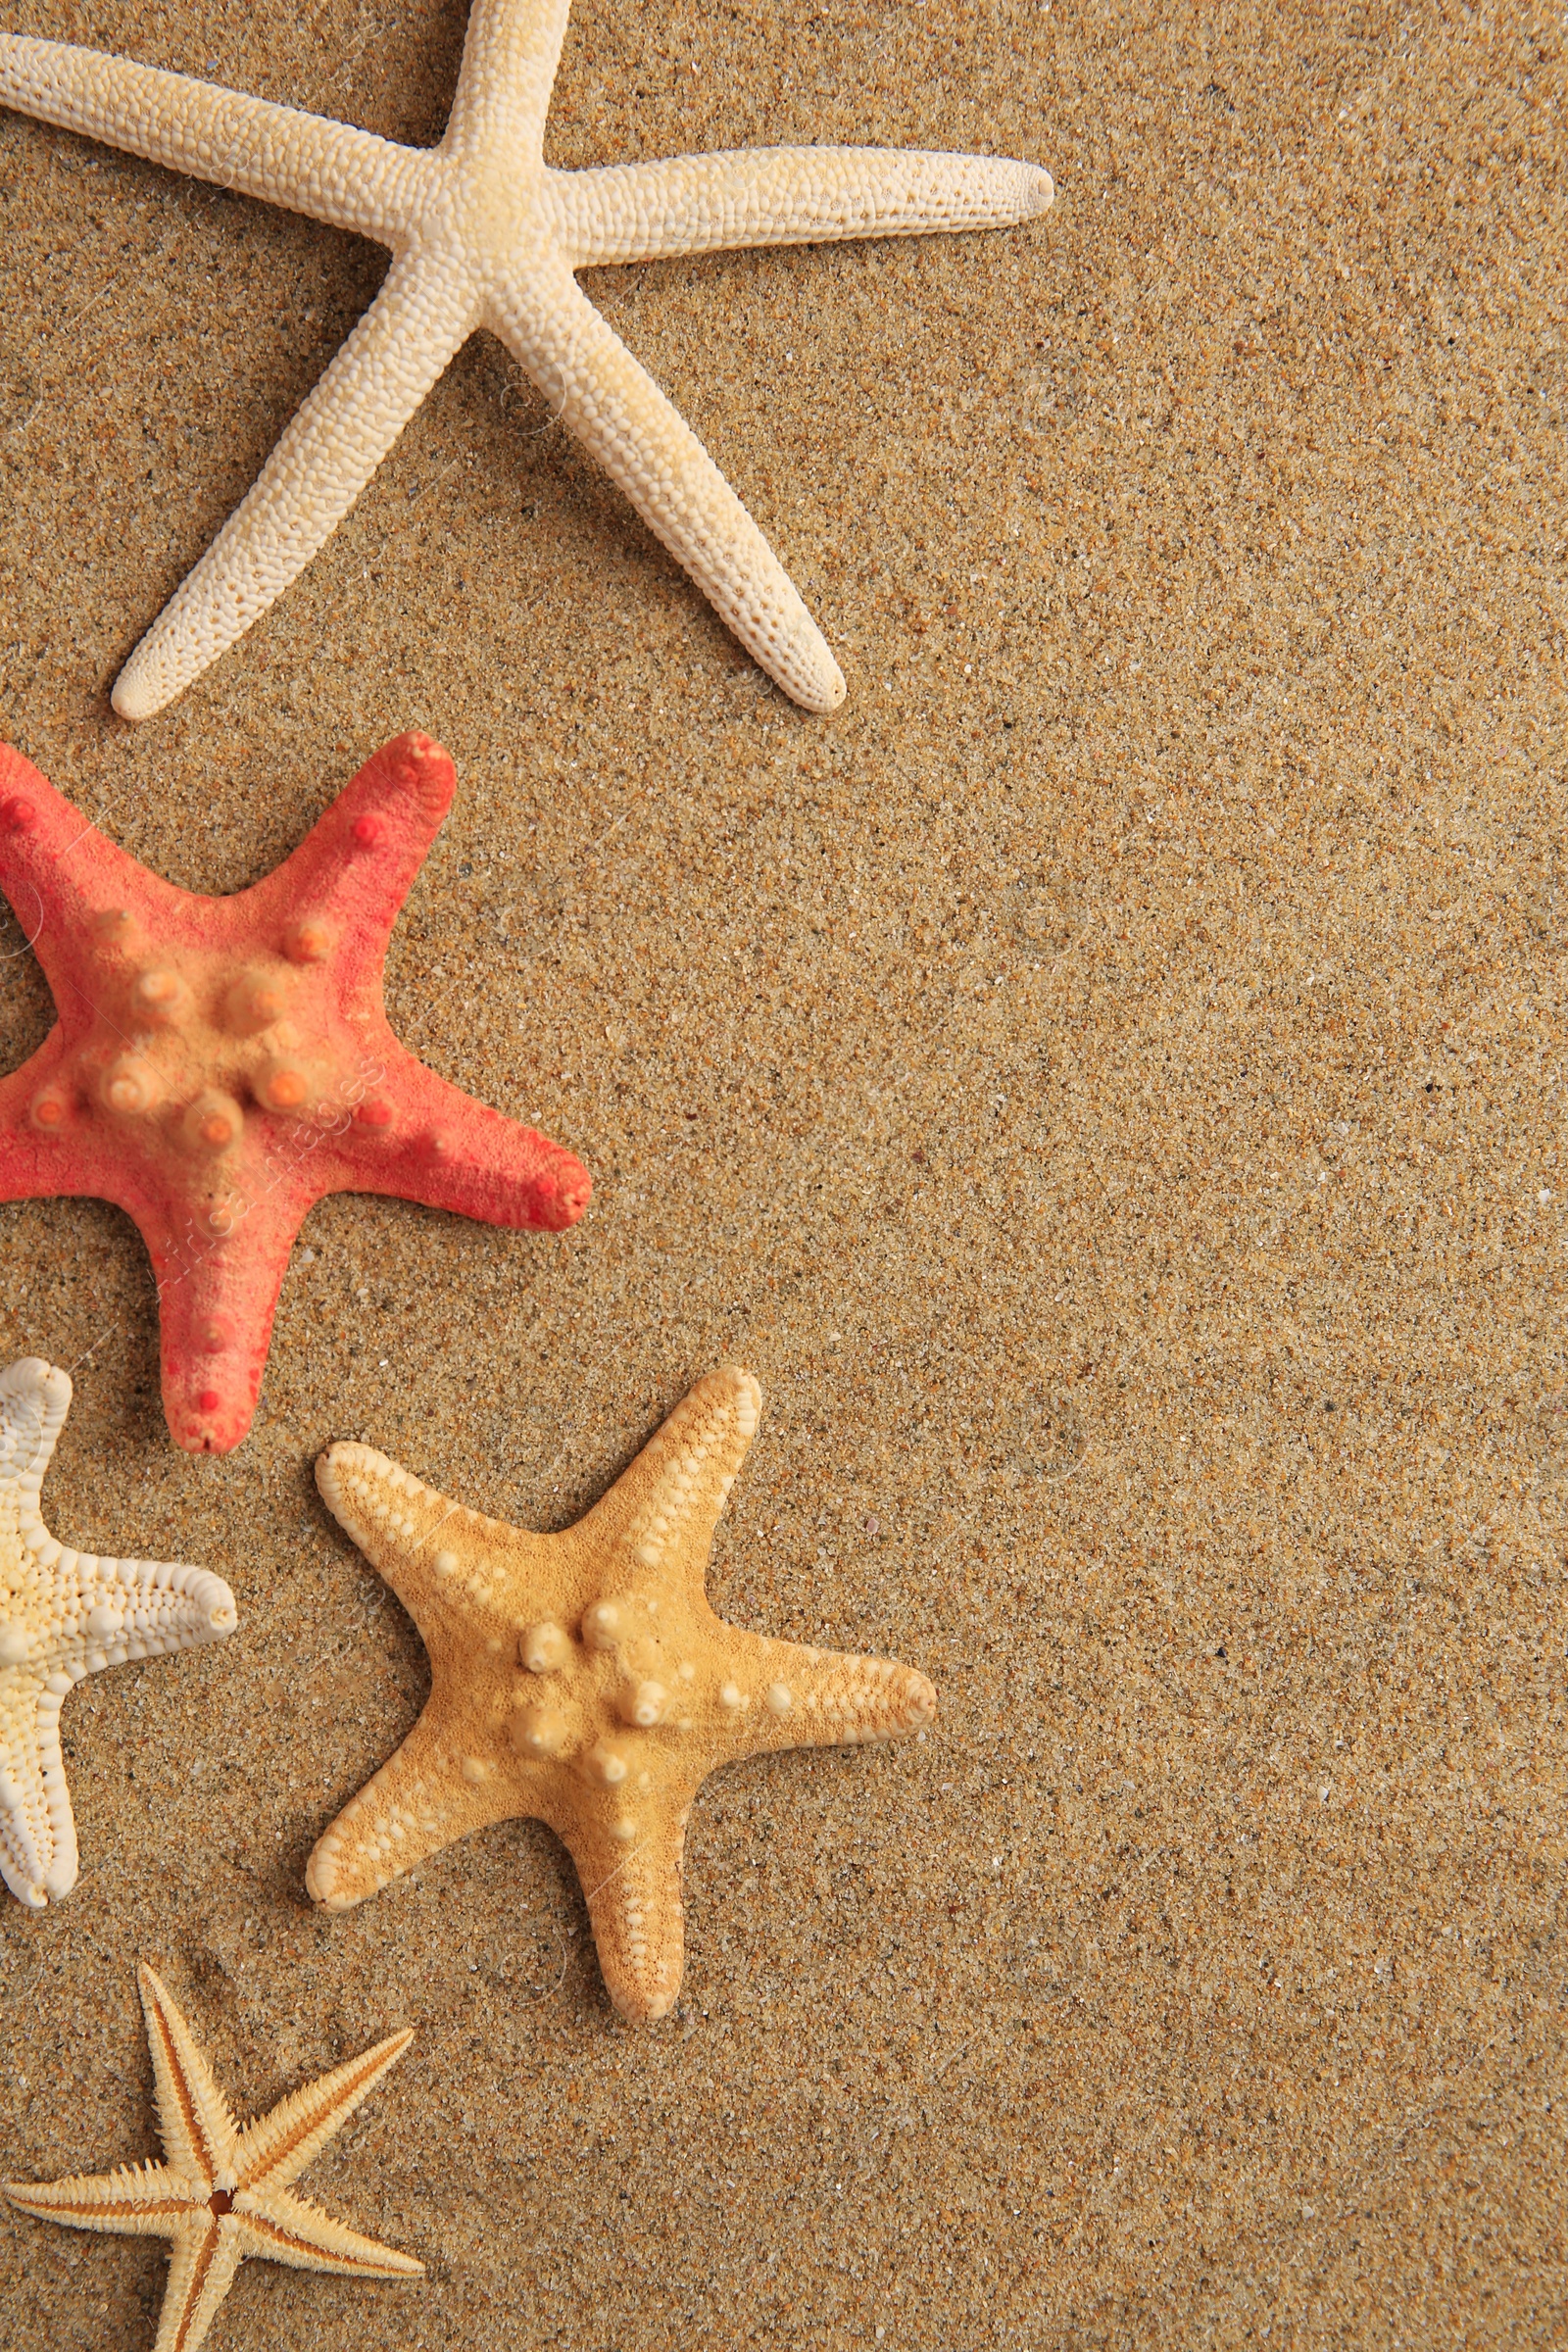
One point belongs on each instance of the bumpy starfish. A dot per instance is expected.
(583, 1679)
(64, 1615)
(223, 2192)
(483, 234)
(219, 1065)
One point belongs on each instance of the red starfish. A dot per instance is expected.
(219, 1065)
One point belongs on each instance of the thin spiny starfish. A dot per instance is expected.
(584, 1680)
(218, 1065)
(65, 1614)
(223, 2192)
(482, 233)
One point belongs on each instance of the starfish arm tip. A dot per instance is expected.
(793, 651)
(905, 1702)
(920, 1700)
(828, 691)
(639, 2005)
(34, 1399)
(36, 1889)
(134, 696)
(320, 1877)
(1037, 190)
(564, 1192)
(334, 1465)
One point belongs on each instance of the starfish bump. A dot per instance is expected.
(64, 1615)
(583, 1679)
(482, 233)
(219, 1065)
(223, 2191)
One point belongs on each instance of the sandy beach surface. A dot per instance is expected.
(1105, 1082)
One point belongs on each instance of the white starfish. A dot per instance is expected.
(65, 1614)
(483, 234)
(223, 2192)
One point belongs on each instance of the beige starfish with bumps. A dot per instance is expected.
(582, 1679)
(65, 1614)
(223, 2192)
(483, 233)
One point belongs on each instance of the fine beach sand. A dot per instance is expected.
(1105, 1083)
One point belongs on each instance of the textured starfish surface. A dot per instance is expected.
(583, 1679)
(224, 2191)
(483, 234)
(62, 1615)
(219, 1065)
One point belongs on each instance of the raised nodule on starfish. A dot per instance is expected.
(64, 1615)
(223, 2192)
(583, 1679)
(482, 233)
(217, 1066)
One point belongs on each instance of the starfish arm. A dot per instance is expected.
(198, 2130)
(218, 1278)
(276, 2147)
(38, 1834)
(201, 2270)
(791, 1696)
(394, 1126)
(417, 1803)
(114, 1610)
(786, 196)
(134, 2200)
(34, 1165)
(510, 57)
(632, 1890)
(335, 442)
(615, 410)
(121, 1610)
(34, 1399)
(666, 1504)
(452, 1568)
(324, 170)
(284, 2227)
(355, 868)
(60, 875)
(443, 1147)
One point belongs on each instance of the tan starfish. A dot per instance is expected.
(223, 2192)
(65, 1614)
(583, 1679)
(483, 234)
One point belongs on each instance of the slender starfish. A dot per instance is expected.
(223, 2192)
(583, 1679)
(65, 1614)
(219, 1065)
(483, 234)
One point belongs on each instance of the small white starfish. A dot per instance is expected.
(65, 1614)
(483, 234)
(223, 2193)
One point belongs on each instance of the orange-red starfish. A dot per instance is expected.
(219, 1065)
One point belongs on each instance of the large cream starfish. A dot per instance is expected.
(582, 1679)
(223, 2192)
(483, 234)
(65, 1614)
